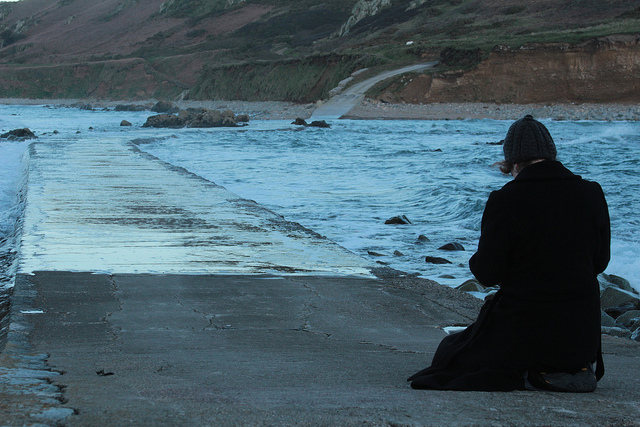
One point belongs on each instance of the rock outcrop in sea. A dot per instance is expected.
(197, 118)
(400, 219)
(316, 123)
(24, 133)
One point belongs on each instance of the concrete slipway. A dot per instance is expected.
(149, 296)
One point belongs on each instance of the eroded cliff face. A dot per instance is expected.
(606, 69)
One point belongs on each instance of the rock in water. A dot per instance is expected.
(194, 118)
(23, 133)
(454, 246)
(436, 260)
(401, 219)
(316, 123)
(320, 124)
(373, 253)
(164, 121)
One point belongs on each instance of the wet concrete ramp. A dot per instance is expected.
(103, 206)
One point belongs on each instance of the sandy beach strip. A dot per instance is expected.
(372, 109)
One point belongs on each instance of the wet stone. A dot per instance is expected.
(472, 285)
(436, 260)
(453, 246)
(627, 319)
(614, 297)
(616, 332)
(400, 219)
(607, 280)
(606, 320)
(615, 312)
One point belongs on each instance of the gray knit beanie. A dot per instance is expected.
(528, 139)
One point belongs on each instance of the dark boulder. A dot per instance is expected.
(401, 219)
(471, 285)
(615, 297)
(616, 332)
(319, 124)
(373, 253)
(629, 318)
(23, 133)
(316, 123)
(606, 319)
(436, 260)
(194, 118)
(611, 280)
(616, 312)
(125, 123)
(164, 121)
(164, 107)
(210, 118)
(202, 119)
(454, 246)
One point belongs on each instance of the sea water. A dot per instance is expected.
(346, 181)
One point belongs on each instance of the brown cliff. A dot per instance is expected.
(605, 69)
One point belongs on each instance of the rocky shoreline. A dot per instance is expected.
(371, 109)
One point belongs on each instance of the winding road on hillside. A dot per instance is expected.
(342, 103)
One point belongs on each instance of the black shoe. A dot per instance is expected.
(583, 381)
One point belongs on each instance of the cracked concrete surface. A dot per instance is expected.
(276, 350)
(274, 340)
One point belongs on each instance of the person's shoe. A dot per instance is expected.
(583, 381)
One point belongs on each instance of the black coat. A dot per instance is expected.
(545, 238)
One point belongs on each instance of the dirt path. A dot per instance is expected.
(341, 104)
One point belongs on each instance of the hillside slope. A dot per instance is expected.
(298, 50)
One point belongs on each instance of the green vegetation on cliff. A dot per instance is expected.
(295, 50)
(304, 80)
